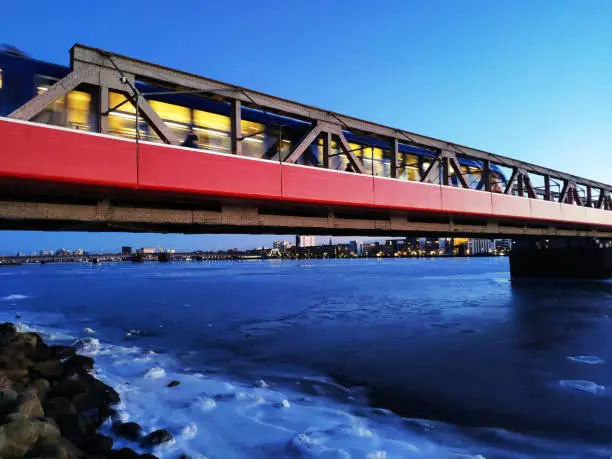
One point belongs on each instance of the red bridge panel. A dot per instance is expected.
(308, 184)
(35, 151)
(402, 195)
(167, 168)
(460, 200)
(510, 206)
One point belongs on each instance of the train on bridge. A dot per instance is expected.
(266, 135)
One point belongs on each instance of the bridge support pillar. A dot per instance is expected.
(561, 258)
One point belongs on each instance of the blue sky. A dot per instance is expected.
(528, 79)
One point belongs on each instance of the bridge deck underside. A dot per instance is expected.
(55, 178)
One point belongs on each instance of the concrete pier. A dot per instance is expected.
(561, 258)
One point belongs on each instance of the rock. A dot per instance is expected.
(59, 406)
(78, 363)
(173, 383)
(32, 345)
(5, 381)
(8, 401)
(41, 386)
(15, 374)
(17, 438)
(72, 427)
(61, 352)
(129, 430)
(49, 369)
(29, 405)
(156, 438)
(96, 443)
(7, 333)
(67, 450)
(68, 387)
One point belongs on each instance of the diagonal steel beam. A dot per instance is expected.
(303, 144)
(528, 186)
(452, 159)
(432, 171)
(154, 121)
(513, 178)
(604, 201)
(39, 103)
(350, 154)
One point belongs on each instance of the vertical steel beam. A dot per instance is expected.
(103, 110)
(519, 183)
(445, 171)
(547, 195)
(236, 127)
(394, 152)
(589, 196)
(327, 142)
(485, 175)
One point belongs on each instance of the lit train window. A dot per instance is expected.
(177, 118)
(55, 113)
(0, 78)
(257, 143)
(212, 130)
(78, 109)
(122, 121)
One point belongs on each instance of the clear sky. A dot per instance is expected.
(528, 79)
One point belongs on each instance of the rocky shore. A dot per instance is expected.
(52, 407)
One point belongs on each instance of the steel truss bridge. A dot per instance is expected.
(56, 178)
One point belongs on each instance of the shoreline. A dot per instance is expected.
(51, 406)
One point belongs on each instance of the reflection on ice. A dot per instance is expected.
(588, 359)
(583, 386)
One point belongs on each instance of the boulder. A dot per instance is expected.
(41, 386)
(49, 369)
(19, 437)
(96, 443)
(31, 344)
(61, 352)
(58, 406)
(7, 333)
(129, 430)
(29, 405)
(8, 401)
(67, 450)
(5, 381)
(78, 363)
(68, 387)
(71, 426)
(15, 374)
(156, 437)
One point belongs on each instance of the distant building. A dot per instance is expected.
(79, 252)
(126, 250)
(282, 246)
(147, 250)
(305, 241)
(478, 246)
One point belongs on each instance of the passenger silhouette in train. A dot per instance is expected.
(191, 140)
(349, 168)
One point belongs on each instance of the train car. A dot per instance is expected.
(266, 135)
